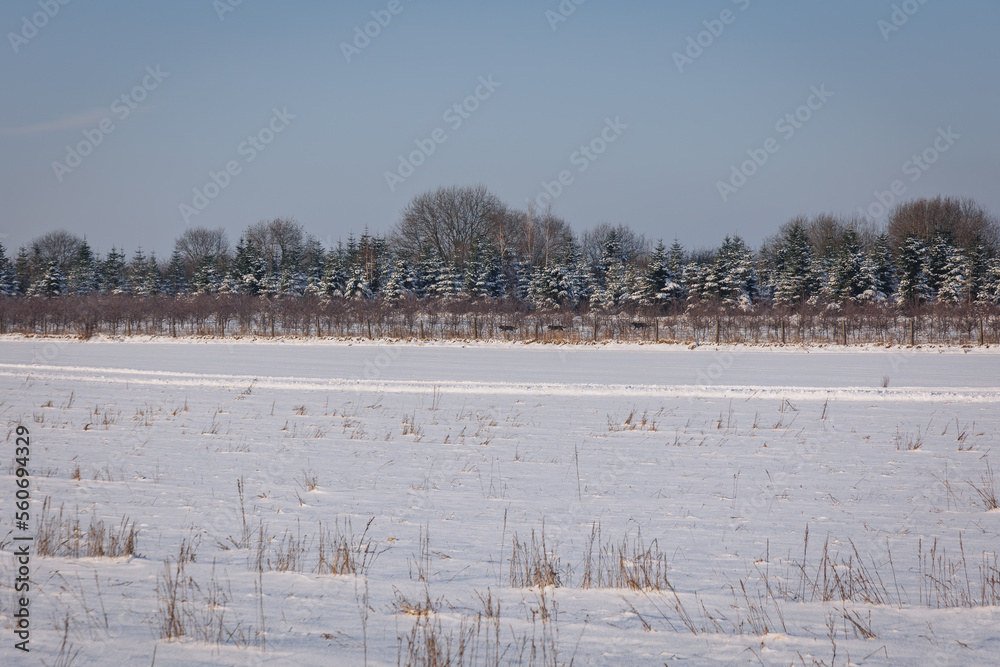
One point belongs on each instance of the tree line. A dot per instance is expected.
(464, 246)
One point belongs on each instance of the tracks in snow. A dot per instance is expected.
(181, 379)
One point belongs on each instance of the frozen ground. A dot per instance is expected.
(703, 469)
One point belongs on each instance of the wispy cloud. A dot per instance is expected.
(75, 121)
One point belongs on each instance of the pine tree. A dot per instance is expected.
(845, 281)
(83, 272)
(955, 284)
(660, 284)
(979, 260)
(616, 283)
(8, 277)
(151, 282)
(357, 286)
(24, 270)
(206, 279)
(579, 274)
(695, 279)
(878, 276)
(936, 265)
(675, 258)
(732, 277)
(334, 281)
(313, 264)
(447, 283)
(989, 293)
(135, 272)
(518, 278)
(795, 279)
(399, 281)
(912, 265)
(249, 268)
(51, 282)
(291, 281)
(176, 282)
(112, 278)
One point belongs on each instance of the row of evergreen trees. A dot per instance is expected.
(790, 270)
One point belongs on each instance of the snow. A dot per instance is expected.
(724, 456)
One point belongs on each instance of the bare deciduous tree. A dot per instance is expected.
(634, 247)
(197, 243)
(279, 240)
(59, 246)
(450, 221)
(543, 237)
(963, 220)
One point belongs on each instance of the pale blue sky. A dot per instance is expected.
(557, 88)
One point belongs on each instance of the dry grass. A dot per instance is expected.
(533, 565)
(61, 535)
(907, 441)
(633, 421)
(200, 612)
(986, 489)
(340, 552)
(479, 640)
(629, 563)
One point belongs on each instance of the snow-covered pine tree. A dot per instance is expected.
(518, 278)
(544, 288)
(313, 263)
(912, 270)
(795, 279)
(878, 275)
(955, 283)
(845, 281)
(50, 283)
(429, 269)
(399, 281)
(8, 277)
(176, 282)
(334, 279)
(152, 281)
(206, 279)
(732, 277)
(448, 283)
(249, 268)
(135, 272)
(660, 284)
(979, 258)
(82, 277)
(490, 282)
(24, 269)
(291, 281)
(356, 286)
(676, 258)
(695, 278)
(113, 277)
(938, 257)
(989, 293)
(616, 282)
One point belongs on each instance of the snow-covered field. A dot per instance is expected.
(698, 506)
